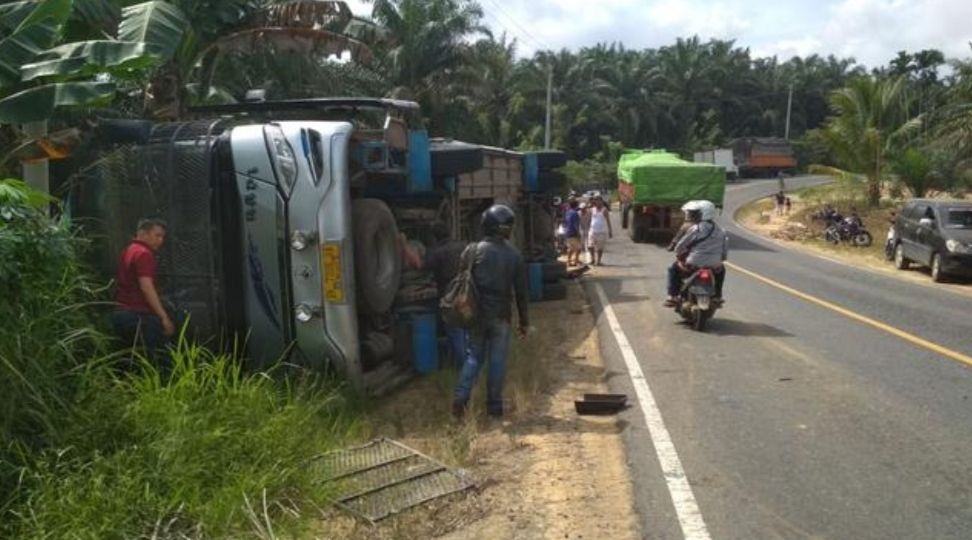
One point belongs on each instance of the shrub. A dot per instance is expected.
(46, 333)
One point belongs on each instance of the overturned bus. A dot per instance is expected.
(283, 233)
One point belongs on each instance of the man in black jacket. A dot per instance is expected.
(499, 274)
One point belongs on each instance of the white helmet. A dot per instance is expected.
(693, 210)
(707, 209)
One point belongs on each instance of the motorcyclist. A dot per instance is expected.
(704, 245)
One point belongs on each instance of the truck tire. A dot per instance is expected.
(378, 263)
(551, 181)
(554, 291)
(554, 271)
(452, 158)
(550, 160)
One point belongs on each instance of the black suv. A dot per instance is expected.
(936, 234)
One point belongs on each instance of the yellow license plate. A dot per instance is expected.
(333, 275)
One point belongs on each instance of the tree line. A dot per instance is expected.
(65, 59)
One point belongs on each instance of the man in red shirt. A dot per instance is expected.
(139, 312)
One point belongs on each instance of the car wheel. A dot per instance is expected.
(900, 261)
(936, 269)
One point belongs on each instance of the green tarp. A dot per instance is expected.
(660, 177)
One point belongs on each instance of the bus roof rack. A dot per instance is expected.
(309, 104)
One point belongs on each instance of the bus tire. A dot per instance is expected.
(378, 263)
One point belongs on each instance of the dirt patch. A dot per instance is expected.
(543, 472)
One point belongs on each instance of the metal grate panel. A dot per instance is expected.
(384, 477)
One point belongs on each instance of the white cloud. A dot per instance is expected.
(715, 20)
(872, 31)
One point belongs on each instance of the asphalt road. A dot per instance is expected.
(792, 420)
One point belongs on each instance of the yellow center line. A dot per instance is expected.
(911, 338)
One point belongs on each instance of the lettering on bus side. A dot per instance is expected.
(250, 200)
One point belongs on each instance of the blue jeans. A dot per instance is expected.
(136, 329)
(457, 344)
(488, 343)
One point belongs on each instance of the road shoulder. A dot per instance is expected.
(544, 472)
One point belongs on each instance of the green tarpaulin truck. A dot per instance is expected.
(653, 185)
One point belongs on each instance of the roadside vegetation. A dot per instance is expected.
(89, 451)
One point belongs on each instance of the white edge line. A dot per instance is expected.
(689, 515)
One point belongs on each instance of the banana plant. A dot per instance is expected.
(37, 77)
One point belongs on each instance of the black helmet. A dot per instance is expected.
(498, 221)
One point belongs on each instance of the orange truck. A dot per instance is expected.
(763, 156)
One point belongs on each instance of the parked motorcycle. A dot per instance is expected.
(849, 230)
(696, 303)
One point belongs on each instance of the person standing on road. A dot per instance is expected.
(500, 276)
(787, 205)
(780, 202)
(139, 314)
(442, 261)
(572, 233)
(585, 225)
(601, 230)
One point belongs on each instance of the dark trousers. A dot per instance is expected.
(675, 275)
(141, 330)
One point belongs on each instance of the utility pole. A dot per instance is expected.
(37, 174)
(546, 130)
(789, 109)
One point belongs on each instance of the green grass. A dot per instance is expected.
(210, 451)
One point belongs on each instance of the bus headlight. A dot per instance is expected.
(304, 313)
(299, 240)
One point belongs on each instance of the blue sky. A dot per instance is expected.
(872, 31)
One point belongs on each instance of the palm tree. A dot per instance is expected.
(427, 43)
(870, 118)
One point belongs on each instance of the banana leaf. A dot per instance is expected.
(160, 25)
(39, 103)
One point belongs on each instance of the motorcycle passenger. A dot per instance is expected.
(704, 245)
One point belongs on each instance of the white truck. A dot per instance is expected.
(721, 157)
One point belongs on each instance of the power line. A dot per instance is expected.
(511, 19)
